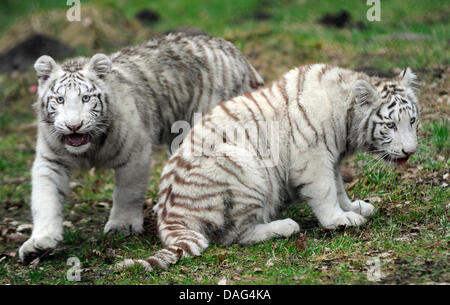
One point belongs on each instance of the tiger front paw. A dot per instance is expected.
(36, 246)
(364, 208)
(124, 226)
(346, 219)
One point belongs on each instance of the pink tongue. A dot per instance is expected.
(76, 139)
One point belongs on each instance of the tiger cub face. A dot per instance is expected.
(72, 99)
(391, 128)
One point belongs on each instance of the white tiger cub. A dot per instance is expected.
(221, 188)
(111, 111)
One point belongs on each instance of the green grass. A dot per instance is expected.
(10, 10)
(409, 233)
(439, 135)
(293, 25)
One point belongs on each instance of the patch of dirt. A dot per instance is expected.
(261, 15)
(404, 272)
(347, 174)
(340, 20)
(100, 28)
(24, 54)
(147, 16)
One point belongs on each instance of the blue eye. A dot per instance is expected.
(390, 125)
(85, 98)
(413, 120)
(60, 100)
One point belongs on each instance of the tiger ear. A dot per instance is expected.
(364, 93)
(100, 64)
(44, 67)
(407, 78)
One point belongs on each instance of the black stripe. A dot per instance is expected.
(392, 105)
(59, 163)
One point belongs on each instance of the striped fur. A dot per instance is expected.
(233, 191)
(111, 111)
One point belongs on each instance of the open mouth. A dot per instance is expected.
(396, 160)
(77, 139)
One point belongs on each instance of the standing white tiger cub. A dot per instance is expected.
(111, 111)
(217, 187)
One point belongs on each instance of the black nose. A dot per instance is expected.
(74, 127)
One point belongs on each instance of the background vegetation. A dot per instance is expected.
(410, 232)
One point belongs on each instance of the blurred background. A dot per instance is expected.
(275, 35)
(278, 33)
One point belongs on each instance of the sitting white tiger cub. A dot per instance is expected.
(217, 188)
(111, 111)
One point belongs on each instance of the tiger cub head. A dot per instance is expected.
(390, 129)
(72, 100)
